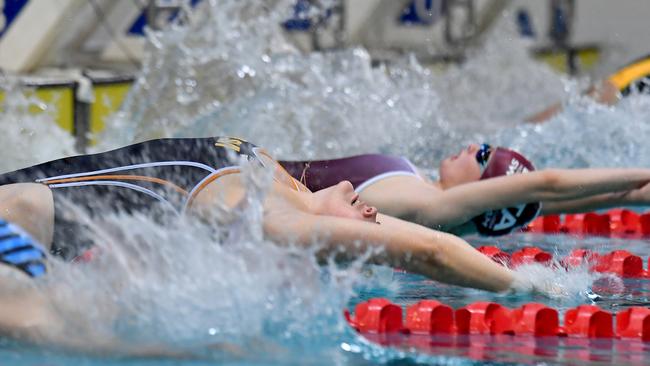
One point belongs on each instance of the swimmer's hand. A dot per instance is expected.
(592, 296)
(546, 287)
(638, 196)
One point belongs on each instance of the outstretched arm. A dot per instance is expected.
(30, 315)
(605, 92)
(439, 256)
(589, 187)
(633, 197)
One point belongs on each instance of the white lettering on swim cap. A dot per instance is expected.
(516, 167)
(513, 167)
(507, 220)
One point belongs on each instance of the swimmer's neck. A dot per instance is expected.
(438, 184)
(301, 201)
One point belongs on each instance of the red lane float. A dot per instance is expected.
(429, 317)
(376, 316)
(536, 319)
(588, 321)
(530, 255)
(618, 223)
(619, 262)
(380, 316)
(623, 263)
(484, 318)
(633, 323)
(579, 257)
(495, 254)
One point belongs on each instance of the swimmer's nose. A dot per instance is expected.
(346, 186)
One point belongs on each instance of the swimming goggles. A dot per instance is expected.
(483, 155)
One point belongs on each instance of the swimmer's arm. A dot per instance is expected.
(631, 198)
(551, 185)
(439, 256)
(28, 314)
(546, 114)
(25, 313)
(29, 205)
(604, 93)
(597, 202)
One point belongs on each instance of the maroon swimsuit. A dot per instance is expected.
(360, 170)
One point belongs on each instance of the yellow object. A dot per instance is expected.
(625, 76)
(232, 143)
(587, 59)
(62, 99)
(108, 99)
(59, 103)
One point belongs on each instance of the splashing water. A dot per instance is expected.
(323, 105)
(557, 282)
(28, 138)
(587, 134)
(209, 290)
(222, 54)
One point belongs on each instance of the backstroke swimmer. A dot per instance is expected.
(478, 189)
(464, 201)
(631, 78)
(192, 176)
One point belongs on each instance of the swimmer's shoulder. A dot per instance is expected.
(226, 191)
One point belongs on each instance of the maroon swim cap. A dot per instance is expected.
(501, 162)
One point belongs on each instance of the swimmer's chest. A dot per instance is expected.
(158, 173)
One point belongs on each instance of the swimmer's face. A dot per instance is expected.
(341, 200)
(461, 168)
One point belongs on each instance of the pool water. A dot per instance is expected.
(616, 294)
(246, 301)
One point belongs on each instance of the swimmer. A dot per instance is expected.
(192, 176)
(478, 189)
(631, 78)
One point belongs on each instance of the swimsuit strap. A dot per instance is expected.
(303, 175)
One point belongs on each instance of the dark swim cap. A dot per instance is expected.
(502, 161)
(633, 77)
